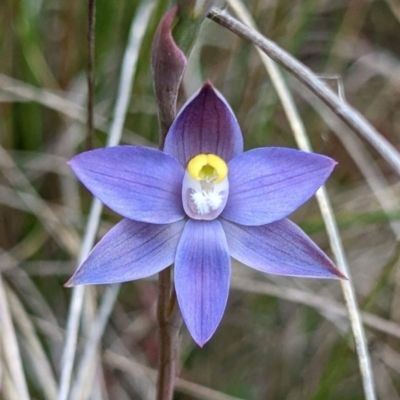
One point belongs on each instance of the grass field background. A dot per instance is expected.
(280, 338)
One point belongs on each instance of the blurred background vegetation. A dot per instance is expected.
(280, 338)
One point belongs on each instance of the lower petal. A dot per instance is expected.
(280, 248)
(131, 250)
(202, 276)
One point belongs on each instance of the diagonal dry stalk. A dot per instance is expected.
(344, 111)
(328, 216)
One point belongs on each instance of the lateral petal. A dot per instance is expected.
(279, 248)
(202, 276)
(268, 184)
(205, 124)
(130, 250)
(139, 183)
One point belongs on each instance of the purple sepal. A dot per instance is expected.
(206, 124)
(130, 250)
(268, 184)
(139, 183)
(280, 248)
(168, 64)
(202, 277)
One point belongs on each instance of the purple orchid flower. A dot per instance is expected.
(197, 204)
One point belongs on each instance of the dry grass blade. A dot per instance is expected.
(46, 98)
(303, 142)
(83, 384)
(349, 294)
(137, 32)
(138, 29)
(22, 91)
(63, 234)
(76, 305)
(318, 302)
(41, 367)
(10, 347)
(8, 390)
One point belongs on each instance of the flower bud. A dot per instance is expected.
(168, 64)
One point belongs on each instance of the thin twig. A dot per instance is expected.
(345, 112)
(138, 29)
(303, 142)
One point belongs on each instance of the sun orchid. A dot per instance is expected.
(198, 203)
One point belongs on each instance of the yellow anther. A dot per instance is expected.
(207, 167)
(219, 165)
(196, 164)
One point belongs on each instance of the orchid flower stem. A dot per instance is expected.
(169, 322)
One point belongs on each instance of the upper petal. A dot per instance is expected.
(131, 250)
(280, 248)
(206, 124)
(202, 275)
(268, 184)
(139, 183)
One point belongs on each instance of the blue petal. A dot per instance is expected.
(139, 183)
(131, 250)
(206, 124)
(280, 248)
(268, 184)
(202, 276)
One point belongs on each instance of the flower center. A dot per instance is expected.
(205, 187)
